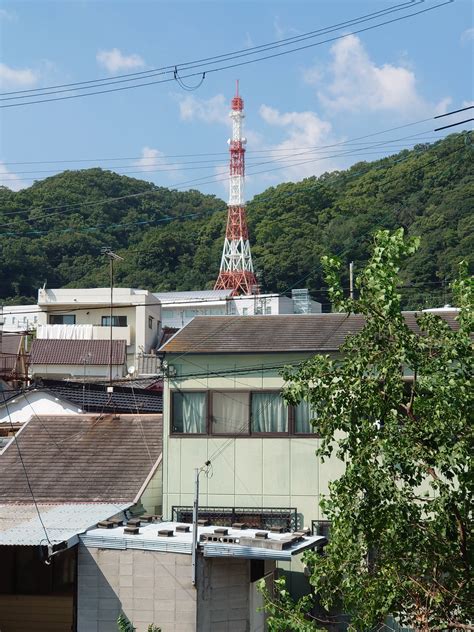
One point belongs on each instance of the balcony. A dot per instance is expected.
(83, 332)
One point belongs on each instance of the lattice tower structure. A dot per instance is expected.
(236, 271)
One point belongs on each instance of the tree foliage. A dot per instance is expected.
(397, 409)
(428, 190)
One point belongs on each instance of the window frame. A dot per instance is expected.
(173, 433)
(290, 433)
(115, 316)
(53, 316)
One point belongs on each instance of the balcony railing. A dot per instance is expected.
(254, 517)
(83, 332)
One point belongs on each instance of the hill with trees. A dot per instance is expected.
(53, 231)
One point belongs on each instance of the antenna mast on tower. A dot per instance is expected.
(236, 272)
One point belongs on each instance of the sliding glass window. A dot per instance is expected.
(269, 413)
(189, 412)
(230, 412)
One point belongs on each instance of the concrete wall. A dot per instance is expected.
(147, 586)
(227, 600)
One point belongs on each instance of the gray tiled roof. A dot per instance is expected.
(80, 458)
(48, 351)
(268, 334)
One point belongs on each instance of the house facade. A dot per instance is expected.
(223, 404)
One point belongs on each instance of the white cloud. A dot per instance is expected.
(154, 161)
(17, 78)
(357, 84)
(213, 110)
(7, 15)
(304, 132)
(10, 179)
(283, 30)
(466, 104)
(467, 35)
(114, 60)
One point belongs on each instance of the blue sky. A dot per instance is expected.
(321, 96)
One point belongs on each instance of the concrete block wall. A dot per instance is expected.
(223, 596)
(147, 586)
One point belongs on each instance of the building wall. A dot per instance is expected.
(38, 613)
(246, 471)
(76, 370)
(147, 586)
(152, 497)
(227, 599)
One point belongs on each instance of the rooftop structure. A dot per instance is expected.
(214, 541)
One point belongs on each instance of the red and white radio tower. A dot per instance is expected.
(236, 271)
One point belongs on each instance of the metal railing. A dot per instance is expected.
(258, 518)
(321, 527)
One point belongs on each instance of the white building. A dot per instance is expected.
(178, 308)
(84, 314)
(19, 318)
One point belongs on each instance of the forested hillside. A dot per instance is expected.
(53, 231)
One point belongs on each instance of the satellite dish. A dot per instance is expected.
(131, 370)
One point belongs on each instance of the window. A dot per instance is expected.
(230, 413)
(303, 416)
(245, 311)
(62, 319)
(117, 321)
(150, 322)
(269, 413)
(189, 412)
(238, 413)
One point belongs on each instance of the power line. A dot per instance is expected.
(207, 71)
(248, 51)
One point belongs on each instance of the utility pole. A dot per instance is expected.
(197, 472)
(351, 279)
(112, 257)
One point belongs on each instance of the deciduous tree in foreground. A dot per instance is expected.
(397, 409)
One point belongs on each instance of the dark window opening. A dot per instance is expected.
(62, 319)
(117, 321)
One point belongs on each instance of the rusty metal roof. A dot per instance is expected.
(80, 458)
(48, 351)
(274, 334)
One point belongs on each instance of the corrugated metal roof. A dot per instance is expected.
(48, 351)
(189, 297)
(273, 334)
(81, 458)
(149, 540)
(20, 524)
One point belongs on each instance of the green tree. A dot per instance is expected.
(397, 409)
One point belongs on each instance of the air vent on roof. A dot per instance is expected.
(131, 530)
(166, 533)
(183, 528)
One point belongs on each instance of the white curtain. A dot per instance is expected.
(189, 413)
(303, 415)
(269, 413)
(230, 413)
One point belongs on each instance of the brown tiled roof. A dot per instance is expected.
(46, 351)
(81, 458)
(268, 334)
(9, 350)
